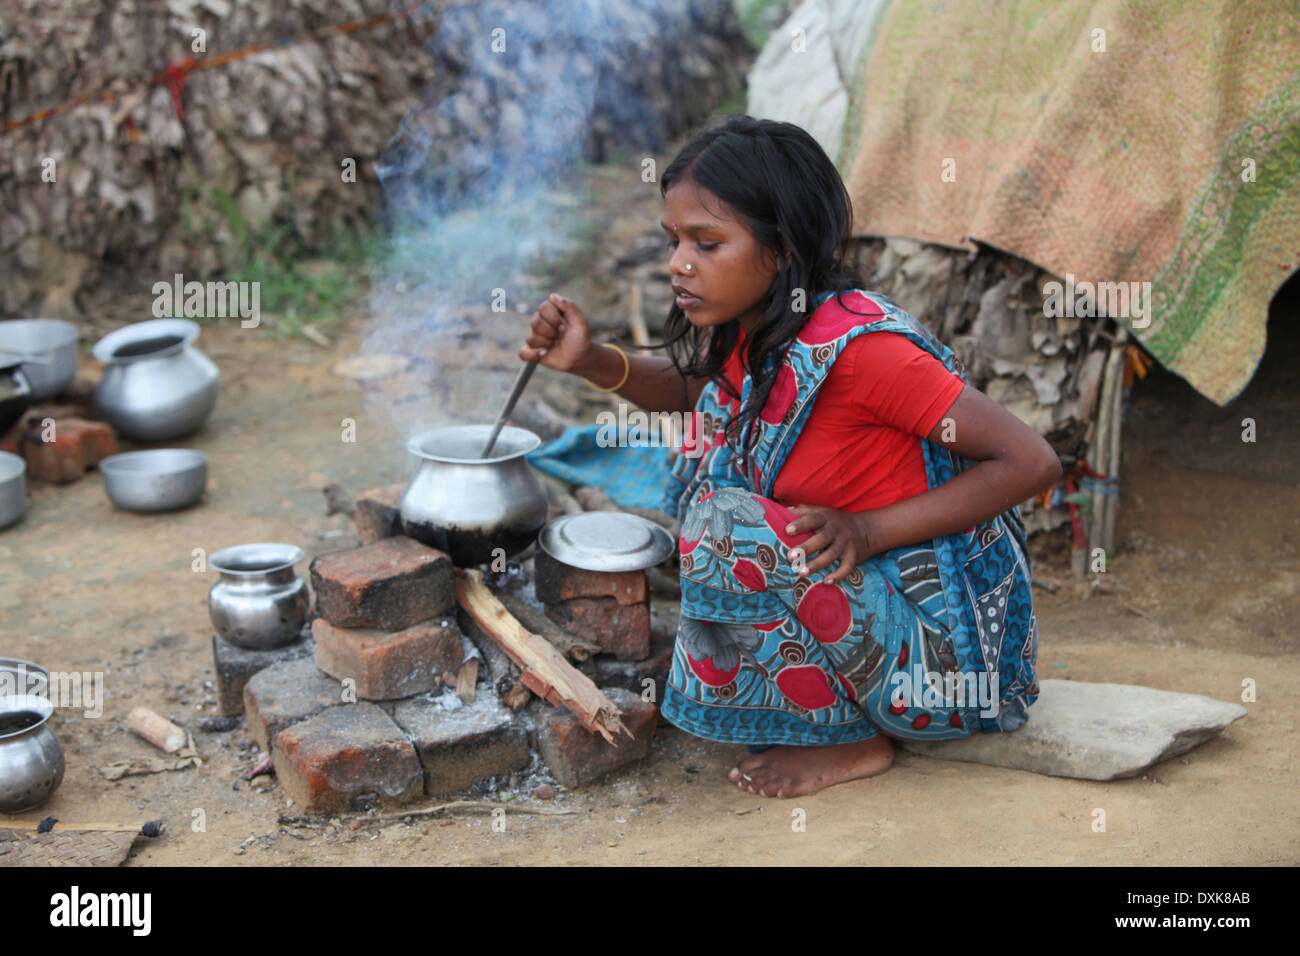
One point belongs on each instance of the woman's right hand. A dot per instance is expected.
(559, 335)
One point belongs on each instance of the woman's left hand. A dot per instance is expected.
(837, 535)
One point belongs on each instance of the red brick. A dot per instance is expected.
(620, 629)
(462, 747)
(377, 513)
(78, 446)
(344, 754)
(13, 439)
(557, 582)
(577, 756)
(283, 694)
(386, 665)
(388, 585)
(632, 675)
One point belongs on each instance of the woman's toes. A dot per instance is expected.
(752, 764)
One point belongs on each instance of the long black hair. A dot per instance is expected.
(784, 187)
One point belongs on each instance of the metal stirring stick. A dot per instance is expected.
(520, 381)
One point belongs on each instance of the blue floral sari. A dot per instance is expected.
(931, 641)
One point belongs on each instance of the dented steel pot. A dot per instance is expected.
(259, 603)
(474, 509)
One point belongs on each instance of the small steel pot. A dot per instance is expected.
(259, 603)
(467, 506)
(53, 342)
(13, 488)
(157, 386)
(31, 760)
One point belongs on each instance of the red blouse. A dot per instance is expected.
(860, 447)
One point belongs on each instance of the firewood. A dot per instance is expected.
(575, 648)
(466, 680)
(504, 672)
(159, 731)
(518, 696)
(545, 671)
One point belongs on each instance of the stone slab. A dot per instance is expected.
(1093, 731)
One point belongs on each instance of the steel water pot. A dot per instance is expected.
(467, 506)
(258, 603)
(31, 759)
(157, 385)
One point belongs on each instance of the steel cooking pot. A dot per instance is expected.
(474, 509)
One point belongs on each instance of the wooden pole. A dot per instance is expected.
(1111, 506)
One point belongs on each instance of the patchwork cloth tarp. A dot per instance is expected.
(1115, 141)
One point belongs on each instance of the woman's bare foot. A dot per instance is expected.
(794, 771)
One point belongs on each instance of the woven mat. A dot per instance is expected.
(1118, 166)
(64, 847)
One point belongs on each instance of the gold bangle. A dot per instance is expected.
(627, 370)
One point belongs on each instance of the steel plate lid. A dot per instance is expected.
(606, 541)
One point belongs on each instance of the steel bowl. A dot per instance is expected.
(159, 479)
(13, 488)
(53, 343)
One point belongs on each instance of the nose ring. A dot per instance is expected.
(688, 267)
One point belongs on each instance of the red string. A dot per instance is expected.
(174, 78)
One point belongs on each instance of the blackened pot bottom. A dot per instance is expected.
(468, 549)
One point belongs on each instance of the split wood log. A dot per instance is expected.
(534, 619)
(504, 672)
(594, 499)
(158, 730)
(518, 696)
(466, 680)
(557, 493)
(545, 671)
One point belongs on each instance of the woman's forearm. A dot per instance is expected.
(653, 382)
(978, 494)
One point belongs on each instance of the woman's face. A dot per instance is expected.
(730, 272)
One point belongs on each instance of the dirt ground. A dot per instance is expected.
(1200, 597)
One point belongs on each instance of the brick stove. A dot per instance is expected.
(357, 709)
